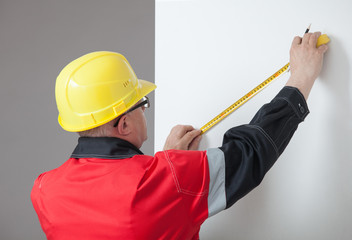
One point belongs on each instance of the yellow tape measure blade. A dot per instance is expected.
(323, 39)
(243, 99)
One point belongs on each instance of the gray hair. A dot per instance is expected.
(105, 130)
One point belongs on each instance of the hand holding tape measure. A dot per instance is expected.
(323, 39)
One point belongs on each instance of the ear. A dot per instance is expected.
(124, 126)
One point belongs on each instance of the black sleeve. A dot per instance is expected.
(251, 150)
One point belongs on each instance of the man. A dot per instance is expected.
(109, 190)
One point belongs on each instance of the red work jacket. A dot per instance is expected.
(124, 196)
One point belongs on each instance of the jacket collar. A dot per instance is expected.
(104, 147)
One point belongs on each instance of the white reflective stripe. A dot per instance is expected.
(217, 194)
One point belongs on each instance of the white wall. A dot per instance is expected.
(211, 52)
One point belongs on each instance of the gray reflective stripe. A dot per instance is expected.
(217, 194)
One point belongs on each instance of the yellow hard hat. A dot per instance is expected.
(96, 88)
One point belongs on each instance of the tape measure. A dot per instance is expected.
(323, 39)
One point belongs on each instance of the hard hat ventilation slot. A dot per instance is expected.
(125, 84)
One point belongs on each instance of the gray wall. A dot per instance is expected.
(38, 38)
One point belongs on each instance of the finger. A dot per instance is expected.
(306, 37)
(195, 143)
(313, 39)
(190, 136)
(181, 130)
(296, 41)
(323, 48)
(187, 128)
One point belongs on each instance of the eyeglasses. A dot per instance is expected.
(145, 103)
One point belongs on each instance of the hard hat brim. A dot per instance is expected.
(146, 88)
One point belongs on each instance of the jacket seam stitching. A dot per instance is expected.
(173, 171)
(293, 108)
(178, 186)
(261, 130)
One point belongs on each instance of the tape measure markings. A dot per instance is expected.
(323, 39)
(243, 99)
